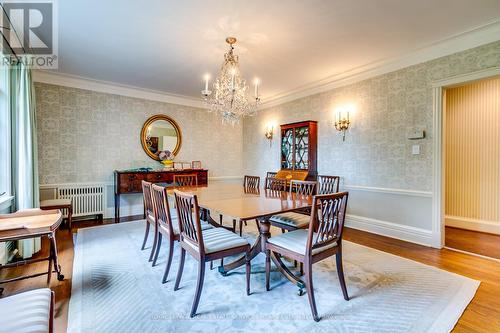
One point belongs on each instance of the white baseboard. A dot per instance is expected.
(491, 227)
(390, 229)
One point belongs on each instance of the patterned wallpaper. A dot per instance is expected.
(376, 152)
(84, 135)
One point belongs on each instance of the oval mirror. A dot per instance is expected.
(160, 133)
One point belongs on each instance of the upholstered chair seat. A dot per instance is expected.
(151, 218)
(29, 311)
(296, 241)
(219, 239)
(292, 219)
(175, 226)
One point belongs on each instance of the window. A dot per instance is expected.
(4, 134)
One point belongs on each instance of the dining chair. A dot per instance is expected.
(196, 165)
(275, 184)
(166, 224)
(271, 174)
(186, 180)
(149, 215)
(328, 184)
(251, 185)
(321, 240)
(295, 219)
(204, 245)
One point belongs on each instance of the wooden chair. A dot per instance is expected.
(165, 225)
(328, 184)
(321, 240)
(271, 174)
(149, 216)
(275, 184)
(296, 219)
(196, 165)
(186, 180)
(251, 185)
(204, 245)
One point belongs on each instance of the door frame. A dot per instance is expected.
(438, 175)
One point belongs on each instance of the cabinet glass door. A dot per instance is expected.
(302, 148)
(287, 149)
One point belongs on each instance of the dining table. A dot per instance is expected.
(248, 204)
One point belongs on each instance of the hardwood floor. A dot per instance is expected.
(473, 241)
(482, 314)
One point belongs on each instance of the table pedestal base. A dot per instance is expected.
(259, 246)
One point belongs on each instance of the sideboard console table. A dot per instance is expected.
(129, 181)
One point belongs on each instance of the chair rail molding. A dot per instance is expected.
(398, 191)
(438, 217)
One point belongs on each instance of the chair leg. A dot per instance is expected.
(181, 267)
(268, 268)
(199, 287)
(158, 246)
(340, 272)
(301, 269)
(248, 271)
(146, 234)
(241, 227)
(169, 260)
(310, 290)
(211, 264)
(155, 241)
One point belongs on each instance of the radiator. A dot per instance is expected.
(87, 199)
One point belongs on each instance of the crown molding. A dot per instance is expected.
(79, 82)
(472, 38)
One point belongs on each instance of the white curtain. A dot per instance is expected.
(24, 158)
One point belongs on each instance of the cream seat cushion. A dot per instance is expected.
(173, 215)
(27, 312)
(292, 219)
(175, 226)
(296, 241)
(218, 239)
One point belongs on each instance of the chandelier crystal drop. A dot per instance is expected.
(229, 96)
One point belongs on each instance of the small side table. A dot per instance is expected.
(59, 204)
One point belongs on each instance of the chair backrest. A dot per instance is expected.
(271, 174)
(275, 184)
(328, 184)
(186, 180)
(161, 207)
(327, 220)
(251, 182)
(188, 216)
(148, 201)
(303, 187)
(196, 165)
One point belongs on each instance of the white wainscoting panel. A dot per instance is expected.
(395, 213)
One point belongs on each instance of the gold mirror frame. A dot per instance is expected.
(145, 128)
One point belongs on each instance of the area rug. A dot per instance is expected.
(115, 289)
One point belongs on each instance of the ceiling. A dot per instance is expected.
(169, 45)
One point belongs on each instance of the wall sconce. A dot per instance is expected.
(342, 121)
(269, 133)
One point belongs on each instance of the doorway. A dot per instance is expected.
(471, 167)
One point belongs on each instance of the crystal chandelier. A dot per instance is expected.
(229, 98)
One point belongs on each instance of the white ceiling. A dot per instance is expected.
(168, 45)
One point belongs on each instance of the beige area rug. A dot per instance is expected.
(115, 289)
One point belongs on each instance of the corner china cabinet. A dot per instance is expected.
(299, 150)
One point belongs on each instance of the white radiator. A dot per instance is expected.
(88, 199)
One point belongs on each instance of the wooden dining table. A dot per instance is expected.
(233, 200)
